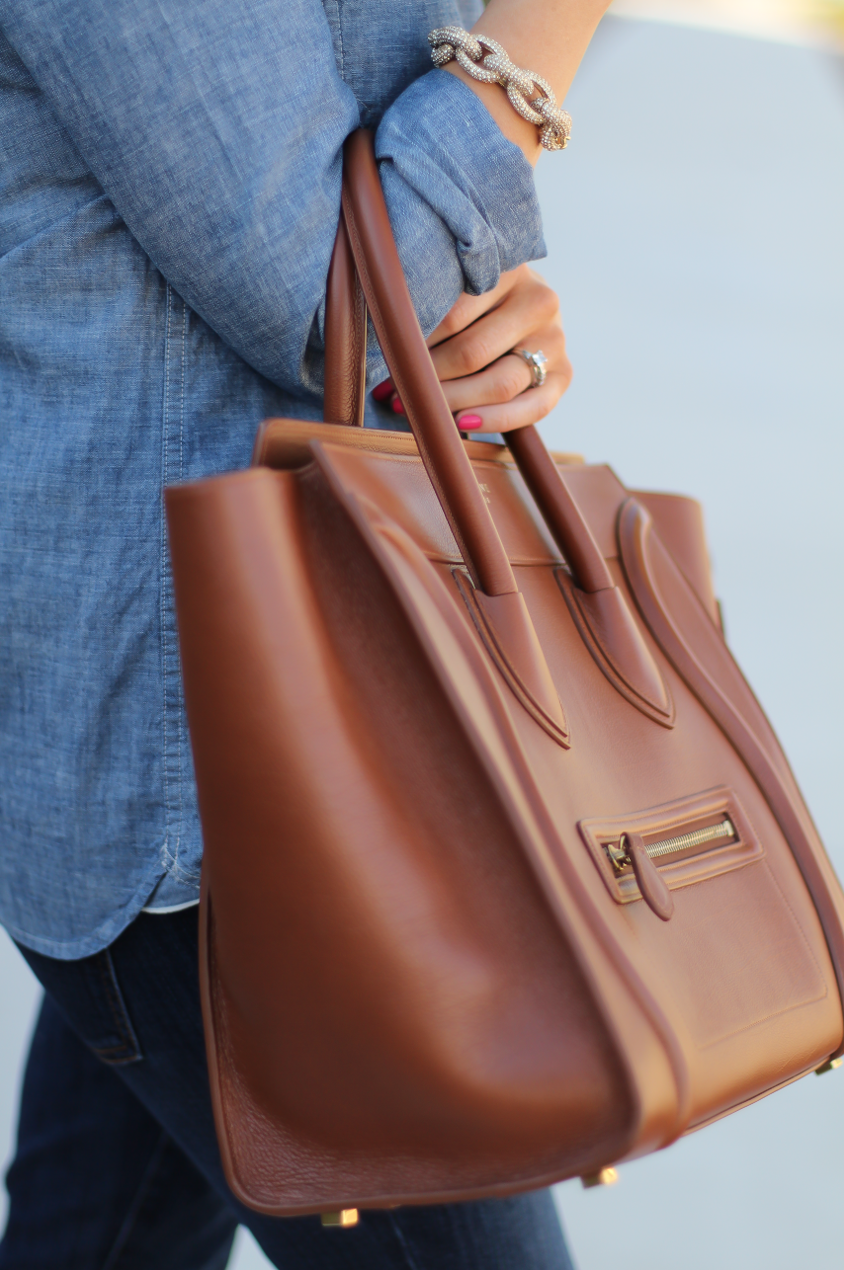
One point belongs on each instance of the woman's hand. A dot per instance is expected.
(487, 387)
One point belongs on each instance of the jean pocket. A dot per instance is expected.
(88, 994)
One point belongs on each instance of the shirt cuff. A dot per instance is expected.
(461, 197)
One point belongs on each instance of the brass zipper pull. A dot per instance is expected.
(631, 850)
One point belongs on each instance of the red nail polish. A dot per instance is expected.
(467, 423)
(398, 407)
(382, 391)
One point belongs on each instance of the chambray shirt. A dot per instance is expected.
(169, 194)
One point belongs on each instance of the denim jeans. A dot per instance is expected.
(117, 1165)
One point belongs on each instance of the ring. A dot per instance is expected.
(536, 361)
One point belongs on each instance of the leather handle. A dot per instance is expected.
(364, 238)
(365, 227)
(404, 348)
(345, 338)
(559, 510)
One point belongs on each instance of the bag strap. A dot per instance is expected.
(366, 225)
(499, 603)
(345, 338)
(365, 240)
(441, 449)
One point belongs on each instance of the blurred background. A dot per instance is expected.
(800, 21)
(695, 231)
(696, 237)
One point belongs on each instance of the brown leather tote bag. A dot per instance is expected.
(506, 876)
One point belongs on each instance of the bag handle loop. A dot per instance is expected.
(345, 337)
(441, 449)
(365, 237)
(365, 253)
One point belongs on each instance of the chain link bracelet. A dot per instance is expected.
(485, 60)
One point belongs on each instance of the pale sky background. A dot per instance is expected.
(694, 230)
(795, 21)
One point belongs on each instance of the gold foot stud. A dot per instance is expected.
(604, 1177)
(343, 1217)
(829, 1067)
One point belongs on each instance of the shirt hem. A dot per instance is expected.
(169, 908)
(94, 942)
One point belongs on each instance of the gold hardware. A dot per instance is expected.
(343, 1217)
(604, 1177)
(829, 1067)
(618, 855)
(682, 842)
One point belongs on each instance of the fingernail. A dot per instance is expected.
(398, 407)
(382, 391)
(466, 423)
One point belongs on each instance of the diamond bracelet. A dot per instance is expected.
(485, 60)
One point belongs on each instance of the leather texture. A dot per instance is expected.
(431, 687)
(345, 338)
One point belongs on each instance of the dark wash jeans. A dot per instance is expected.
(117, 1166)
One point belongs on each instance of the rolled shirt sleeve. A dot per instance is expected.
(458, 191)
(217, 132)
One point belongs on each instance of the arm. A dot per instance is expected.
(195, 120)
(487, 389)
(216, 129)
(545, 36)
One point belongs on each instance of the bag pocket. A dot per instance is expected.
(688, 841)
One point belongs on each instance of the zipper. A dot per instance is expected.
(652, 853)
(620, 856)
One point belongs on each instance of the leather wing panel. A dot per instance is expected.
(692, 643)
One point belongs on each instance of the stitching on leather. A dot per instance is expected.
(494, 465)
(604, 660)
(358, 375)
(365, 280)
(560, 734)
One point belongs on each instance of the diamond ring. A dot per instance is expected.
(536, 361)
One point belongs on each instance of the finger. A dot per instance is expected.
(383, 391)
(469, 308)
(524, 312)
(498, 384)
(528, 407)
(507, 377)
(481, 399)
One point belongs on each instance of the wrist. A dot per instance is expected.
(514, 128)
(544, 37)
